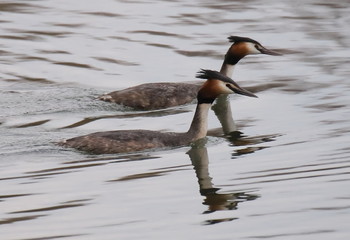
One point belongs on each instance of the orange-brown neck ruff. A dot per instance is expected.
(209, 91)
(235, 53)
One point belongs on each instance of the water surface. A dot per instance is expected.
(286, 176)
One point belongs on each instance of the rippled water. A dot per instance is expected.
(287, 176)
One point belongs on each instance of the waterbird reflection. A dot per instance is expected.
(222, 107)
(215, 200)
(248, 143)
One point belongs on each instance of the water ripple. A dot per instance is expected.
(19, 7)
(56, 57)
(19, 219)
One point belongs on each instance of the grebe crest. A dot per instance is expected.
(124, 141)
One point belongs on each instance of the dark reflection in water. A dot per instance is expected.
(157, 173)
(237, 138)
(46, 209)
(19, 219)
(215, 200)
(32, 124)
(19, 7)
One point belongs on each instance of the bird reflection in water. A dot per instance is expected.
(215, 200)
(248, 144)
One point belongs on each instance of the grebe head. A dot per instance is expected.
(216, 85)
(246, 46)
(243, 46)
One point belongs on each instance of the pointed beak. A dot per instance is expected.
(237, 89)
(269, 52)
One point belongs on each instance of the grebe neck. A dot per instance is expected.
(199, 125)
(230, 61)
(227, 69)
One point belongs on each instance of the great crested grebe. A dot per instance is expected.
(151, 96)
(124, 141)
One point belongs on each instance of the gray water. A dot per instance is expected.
(287, 176)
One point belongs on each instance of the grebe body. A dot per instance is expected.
(123, 141)
(151, 96)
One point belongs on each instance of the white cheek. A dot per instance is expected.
(224, 89)
(252, 49)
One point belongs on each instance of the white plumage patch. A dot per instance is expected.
(252, 49)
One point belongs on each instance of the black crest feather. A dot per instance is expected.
(210, 74)
(237, 39)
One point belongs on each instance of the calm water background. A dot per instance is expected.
(288, 177)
